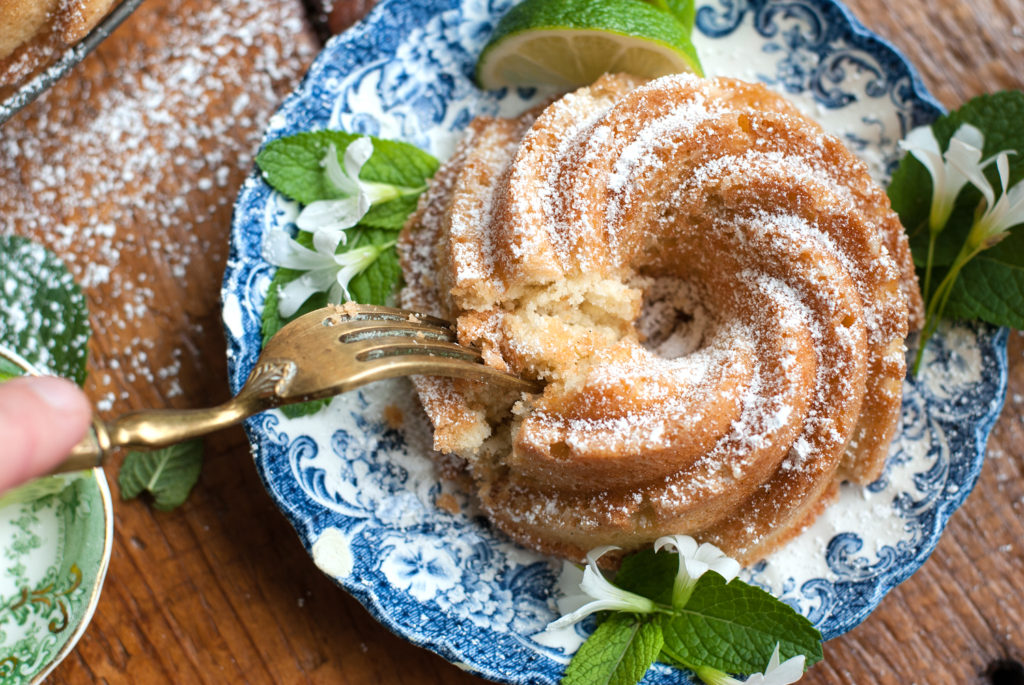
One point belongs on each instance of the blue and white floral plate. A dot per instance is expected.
(356, 480)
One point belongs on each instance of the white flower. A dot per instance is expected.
(694, 561)
(1000, 215)
(325, 270)
(949, 171)
(328, 220)
(786, 673)
(599, 595)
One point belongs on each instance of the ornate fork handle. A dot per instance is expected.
(151, 428)
(162, 427)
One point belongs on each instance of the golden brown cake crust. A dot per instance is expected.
(714, 290)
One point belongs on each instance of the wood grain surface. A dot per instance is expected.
(128, 170)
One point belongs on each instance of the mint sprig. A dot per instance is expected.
(398, 173)
(291, 165)
(720, 628)
(971, 262)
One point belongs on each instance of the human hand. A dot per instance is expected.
(41, 419)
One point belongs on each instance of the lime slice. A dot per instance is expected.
(569, 43)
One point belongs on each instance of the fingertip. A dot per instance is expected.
(41, 419)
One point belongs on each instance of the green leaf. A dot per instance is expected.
(618, 652)
(291, 165)
(295, 411)
(649, 573)
(378, 283)
(1009, 251)
(44, 317)
(392, 214)
(167, 474)
(734, 628)
(989, 290)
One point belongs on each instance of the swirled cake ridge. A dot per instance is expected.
(715, 292)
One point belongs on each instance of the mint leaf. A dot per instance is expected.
(989, 290)
(618, 652)
(649, 573)
(734, 628)
(392, 214)
(377, 284)
(44, 315)
(167, 474)
(291, 165)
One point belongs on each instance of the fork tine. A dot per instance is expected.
(379, 347)
(426, 365)
(356, 330)
(368, 312)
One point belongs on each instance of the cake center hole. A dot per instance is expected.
(673, 322)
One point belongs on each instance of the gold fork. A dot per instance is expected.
(324, 353)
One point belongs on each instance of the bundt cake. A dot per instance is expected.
(714, 291)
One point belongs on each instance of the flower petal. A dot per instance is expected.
(342, 182)
(357, 154)
(965, 161)
(326, 240)
(606, 597)
(921, 143)
(583, 612)
(333, 214)
(293, 294)
(280, 249)
(718, 561)
(971, 135)
(683, 544)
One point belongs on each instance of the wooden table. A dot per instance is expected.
(128, 169)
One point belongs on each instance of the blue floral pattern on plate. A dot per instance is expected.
(356, 480)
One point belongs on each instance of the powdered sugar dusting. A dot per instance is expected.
(126, 189)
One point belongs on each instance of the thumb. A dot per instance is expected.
(41, 419)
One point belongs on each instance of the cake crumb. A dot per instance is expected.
(394, 416)
(446, 501)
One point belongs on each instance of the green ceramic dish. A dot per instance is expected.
(54, 553)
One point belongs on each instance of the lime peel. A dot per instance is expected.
(569, 43)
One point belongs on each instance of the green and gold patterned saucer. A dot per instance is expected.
(54, 553)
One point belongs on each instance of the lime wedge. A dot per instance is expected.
(569, 43)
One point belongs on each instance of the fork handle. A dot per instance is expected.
(149, 428)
